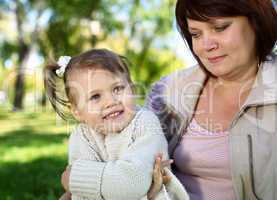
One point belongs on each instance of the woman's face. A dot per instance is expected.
(225, 45)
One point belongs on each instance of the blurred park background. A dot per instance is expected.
(33, 140)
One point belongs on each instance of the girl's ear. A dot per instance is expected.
(76, 113)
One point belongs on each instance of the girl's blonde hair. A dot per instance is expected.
(58, 89)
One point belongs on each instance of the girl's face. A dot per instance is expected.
(225, 45)
(104, 100)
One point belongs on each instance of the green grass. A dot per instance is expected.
(33, 154)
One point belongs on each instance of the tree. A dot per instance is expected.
(23, 42)
(138, 25)
(62, 35)
(146, 25)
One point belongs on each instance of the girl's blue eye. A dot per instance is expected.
(118, 89)
(95, 97)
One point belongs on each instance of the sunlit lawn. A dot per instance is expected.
(33, 154)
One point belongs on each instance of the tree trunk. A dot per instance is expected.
(20, 83)
(19, 92)
(43, 99)
(23, 54)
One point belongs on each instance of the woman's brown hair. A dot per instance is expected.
(260, 13)
(58, 89)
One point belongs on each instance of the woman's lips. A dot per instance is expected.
(216, 59)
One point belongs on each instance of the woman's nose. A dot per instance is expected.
(209, 43)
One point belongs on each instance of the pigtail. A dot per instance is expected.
(125, 66)
(55, 90)
(125, 63)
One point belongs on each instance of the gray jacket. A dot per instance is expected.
(253, 131)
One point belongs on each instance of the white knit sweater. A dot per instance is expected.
(119, 166)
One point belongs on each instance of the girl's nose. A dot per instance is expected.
(111, 100)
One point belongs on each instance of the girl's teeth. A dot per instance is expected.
(113, 114)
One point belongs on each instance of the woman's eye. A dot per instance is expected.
(221, 28)
(195, 35)
(118, 89)
(95, 97)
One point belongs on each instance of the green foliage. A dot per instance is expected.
(7, 49)
(33, 155)
(65, 33)
(73, 8)
(147, 24)
(135, 28)
(154, 65)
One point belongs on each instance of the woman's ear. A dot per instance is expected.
(76, 113)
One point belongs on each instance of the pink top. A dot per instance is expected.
(202, 162)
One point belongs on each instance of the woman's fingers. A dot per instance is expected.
(66, 196)
(157, 179)
(157, 166)
(166, 179)
(166, 163)
(159, 175)
(65, 178)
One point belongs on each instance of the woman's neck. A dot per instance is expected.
(243, 79)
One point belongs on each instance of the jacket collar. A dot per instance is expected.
(184, 87)
(264, 90)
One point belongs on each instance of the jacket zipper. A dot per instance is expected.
(251, 166)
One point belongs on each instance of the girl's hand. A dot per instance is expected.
(159, 176)
(66, 196)
(65, 178)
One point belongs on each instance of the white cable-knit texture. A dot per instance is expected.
(119, 166)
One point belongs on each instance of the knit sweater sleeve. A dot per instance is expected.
(79, 154)
(128, 177)
(74, 152)
(78, 149)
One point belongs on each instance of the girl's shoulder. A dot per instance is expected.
(80, 129)
(82, 132)
(144, 122)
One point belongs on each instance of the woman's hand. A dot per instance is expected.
(65, 178)
(66, 196)
(159, 176)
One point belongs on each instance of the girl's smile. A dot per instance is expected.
(108, 104)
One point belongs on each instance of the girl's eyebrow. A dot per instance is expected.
(118, 82)
(94, 91)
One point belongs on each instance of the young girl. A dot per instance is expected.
(112, 151)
